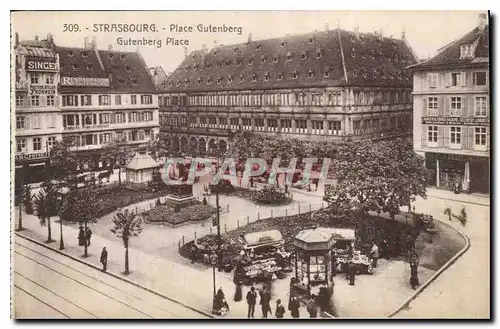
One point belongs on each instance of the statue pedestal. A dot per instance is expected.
(180, 196)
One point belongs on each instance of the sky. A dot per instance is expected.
(426, 31)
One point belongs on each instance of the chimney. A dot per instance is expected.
(36, 37)
(327, 27)
(249, 37)
(403, 35)
(86, 43)
(94, 43)
(356, 31)
(16, 40)
(110, 47)
(50, 38)
(215, 43)
(482, 22)
(380, 34)
(203, 53)
(185, 52)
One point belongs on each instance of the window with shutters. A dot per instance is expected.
(51, 100)
(34, 78)
(480, 136)
(34, 100)
(51, 121)
(20, 100)
(21, 145)
(466, 51)
(455, 136)
(104, 118)
(455, 79)
(104, 100)
(480, 106)
(479, 78)
(51, 141)
(133, 99)
(118, 99)
(35, 122)
(432, 106)
(433, 78)
(456, 106)
(37, 144)
(432, 136)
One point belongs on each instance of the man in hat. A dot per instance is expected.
(104, 259)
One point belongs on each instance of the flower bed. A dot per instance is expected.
(163, 213)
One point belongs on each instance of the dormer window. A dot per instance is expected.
(289, 56)
(71, 53)
(230, 79)
(362, 37)
(295, 74)
(310, 74)
(303, 55)
(85, 54)
(209, 81)
(110, 55)
(326, 74)
(311, 40)
(235, 50)
(194, 57)
(242, 78)
(266, 76)
(122, 56)
(200, 80)
(208, 65)
(238, 62)
(465, 51)
(372, 55)
(121, 80)
(89, 67)
(353, 53)
(282, 43)
(218, 65)
(75, 66)
(280, 76)
(228, 63)
(186, 82)
(127, 68)
(219, 81)
(365, 75)
(254, 77)
(354, 74)
(276, 58)
(215, 52)
(133, 82)
(257, 47)
(170, 83)
(250, 61)
(318, 54)
(263, 59)
(178, 83)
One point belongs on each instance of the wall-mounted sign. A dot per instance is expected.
(41, 64)
(31, 156)
(84, 82)
(42, 89)
(460, 121)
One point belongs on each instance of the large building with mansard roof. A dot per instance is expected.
(89, 95)
(330, 85)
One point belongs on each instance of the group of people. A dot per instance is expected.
(265, 303)
(84, 236)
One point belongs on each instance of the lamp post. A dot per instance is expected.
(213, 261)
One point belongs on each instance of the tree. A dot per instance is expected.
(24, 197)
(64, 162)
(85, 205)
(127, 225)
(157, 148)
(48, 204)
(117, 154)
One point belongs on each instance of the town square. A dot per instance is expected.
(330, 173)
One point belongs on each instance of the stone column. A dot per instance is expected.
(466, 180)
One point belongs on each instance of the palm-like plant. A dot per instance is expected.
(23, 197)
(127, 225)
(47, 203)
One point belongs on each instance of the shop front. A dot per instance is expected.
(459, 173)
(31, 168)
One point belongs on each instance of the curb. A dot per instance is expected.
(457, 200)
(115, 275)
(406, 303)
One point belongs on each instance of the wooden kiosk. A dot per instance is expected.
(313, 261)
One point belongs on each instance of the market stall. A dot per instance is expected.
(343, 249)
(264, 255)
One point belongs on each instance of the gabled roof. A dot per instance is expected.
(450, 54)
(297, 61)
(126, 70)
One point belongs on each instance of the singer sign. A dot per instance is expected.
(41, 64)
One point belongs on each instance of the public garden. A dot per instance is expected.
(167, 234)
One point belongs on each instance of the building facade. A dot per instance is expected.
(331, 85)
(452, 112)
(91, 96)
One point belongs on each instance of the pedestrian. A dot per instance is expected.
(251, 301)
(414, 271)
(81, 236)
(312, 308)
(104, 259)
(375, 254)
(88, 235)
(316, 182)
(334, 263)
(265, 300)
(280, 310)
(293, 307)
(351, 270)
(221, 300)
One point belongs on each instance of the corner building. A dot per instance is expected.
(98, 96)
(452, 112)
(332, 85)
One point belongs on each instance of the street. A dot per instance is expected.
(51, 285)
